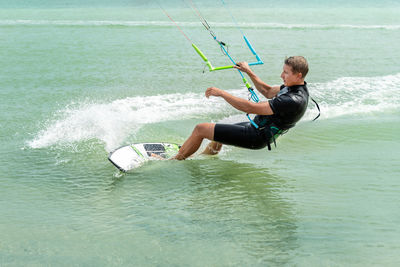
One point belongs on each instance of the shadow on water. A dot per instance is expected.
(215, 202)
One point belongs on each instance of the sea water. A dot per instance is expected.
(82, 78)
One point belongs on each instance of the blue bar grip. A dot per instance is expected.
(260, 62)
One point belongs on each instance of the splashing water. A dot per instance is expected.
(113, 122)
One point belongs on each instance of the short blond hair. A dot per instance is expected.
(298, 64)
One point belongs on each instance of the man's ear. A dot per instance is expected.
(299, 75)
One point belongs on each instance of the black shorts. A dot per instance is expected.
(242, 135)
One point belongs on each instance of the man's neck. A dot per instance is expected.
(297, 84)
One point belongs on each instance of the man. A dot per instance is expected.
(286, 106)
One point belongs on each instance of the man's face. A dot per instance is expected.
(289, 78)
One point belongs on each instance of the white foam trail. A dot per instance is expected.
(113, 122)
(356, 95)
(262, 25)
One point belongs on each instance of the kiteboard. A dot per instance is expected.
(133, 156)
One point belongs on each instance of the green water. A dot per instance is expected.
(81, 79)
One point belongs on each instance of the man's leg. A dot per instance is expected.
(213, 148)
(192, 144)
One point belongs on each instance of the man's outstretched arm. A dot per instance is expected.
(261, 108)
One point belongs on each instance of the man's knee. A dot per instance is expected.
(205, 130)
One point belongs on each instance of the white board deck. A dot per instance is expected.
(134, 155)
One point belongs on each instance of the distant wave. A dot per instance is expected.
(113, 122)
(94, 23)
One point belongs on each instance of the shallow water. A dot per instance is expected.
(80, 80)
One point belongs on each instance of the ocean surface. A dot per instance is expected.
(81, 78)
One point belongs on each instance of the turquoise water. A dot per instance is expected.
(81, 79)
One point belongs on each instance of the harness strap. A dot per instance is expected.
(274, 136)
(319, 111)
(278, 132)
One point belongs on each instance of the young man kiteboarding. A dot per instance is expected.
(286, 105)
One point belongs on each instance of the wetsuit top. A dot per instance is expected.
(288, 106)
